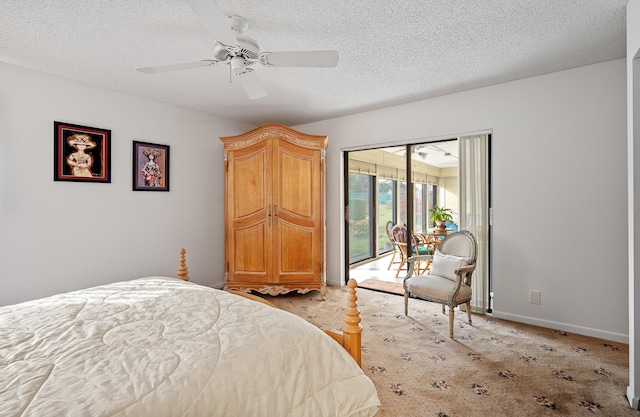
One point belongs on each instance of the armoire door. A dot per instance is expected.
(298, 202)
(249, 212)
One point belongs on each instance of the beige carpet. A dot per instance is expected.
(384, 286)
(495, 368)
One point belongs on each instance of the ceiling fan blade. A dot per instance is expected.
(300, 59)
(214, 19)
(251, 84)
(173, 67)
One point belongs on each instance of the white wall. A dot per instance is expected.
(559, 189)
(559, 163)
(58, 236)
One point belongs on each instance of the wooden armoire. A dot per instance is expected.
(274, 199)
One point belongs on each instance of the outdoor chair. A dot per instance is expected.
(394, 247)
(399, 234)
(448, 281)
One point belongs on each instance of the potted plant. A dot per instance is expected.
(440, 215)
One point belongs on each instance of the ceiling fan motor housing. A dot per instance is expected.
(247, 47)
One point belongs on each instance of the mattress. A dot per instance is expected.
(160, 346)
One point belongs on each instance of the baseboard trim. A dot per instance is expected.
(585, 331)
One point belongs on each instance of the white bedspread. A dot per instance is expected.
(163, 347)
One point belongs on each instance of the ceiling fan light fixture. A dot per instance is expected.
(237, 64)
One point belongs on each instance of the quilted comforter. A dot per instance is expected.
(160, 346)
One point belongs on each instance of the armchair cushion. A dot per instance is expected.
(436, 288)
(446, 265)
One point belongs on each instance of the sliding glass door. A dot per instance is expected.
(387, 209)
(378, 193)
(362, 236)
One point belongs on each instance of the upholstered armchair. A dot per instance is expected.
(448, 281)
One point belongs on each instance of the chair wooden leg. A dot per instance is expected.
(425, 267)
(402, 262)
(451, 322)
(468, 305)
(406, 303)
(393, 257)
(427, 264)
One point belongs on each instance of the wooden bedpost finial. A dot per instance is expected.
(352, 314)
(351, 336)
(183, 271)
(352, 331)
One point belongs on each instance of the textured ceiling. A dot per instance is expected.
(391, 51)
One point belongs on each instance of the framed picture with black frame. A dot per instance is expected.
(81, 153)
(150, 166)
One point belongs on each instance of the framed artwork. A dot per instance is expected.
(150, 167)
(81, 153)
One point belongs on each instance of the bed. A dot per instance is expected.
(162, 346)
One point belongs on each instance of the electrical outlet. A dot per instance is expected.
(534, 297)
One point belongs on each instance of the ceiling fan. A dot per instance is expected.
(239, 51)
